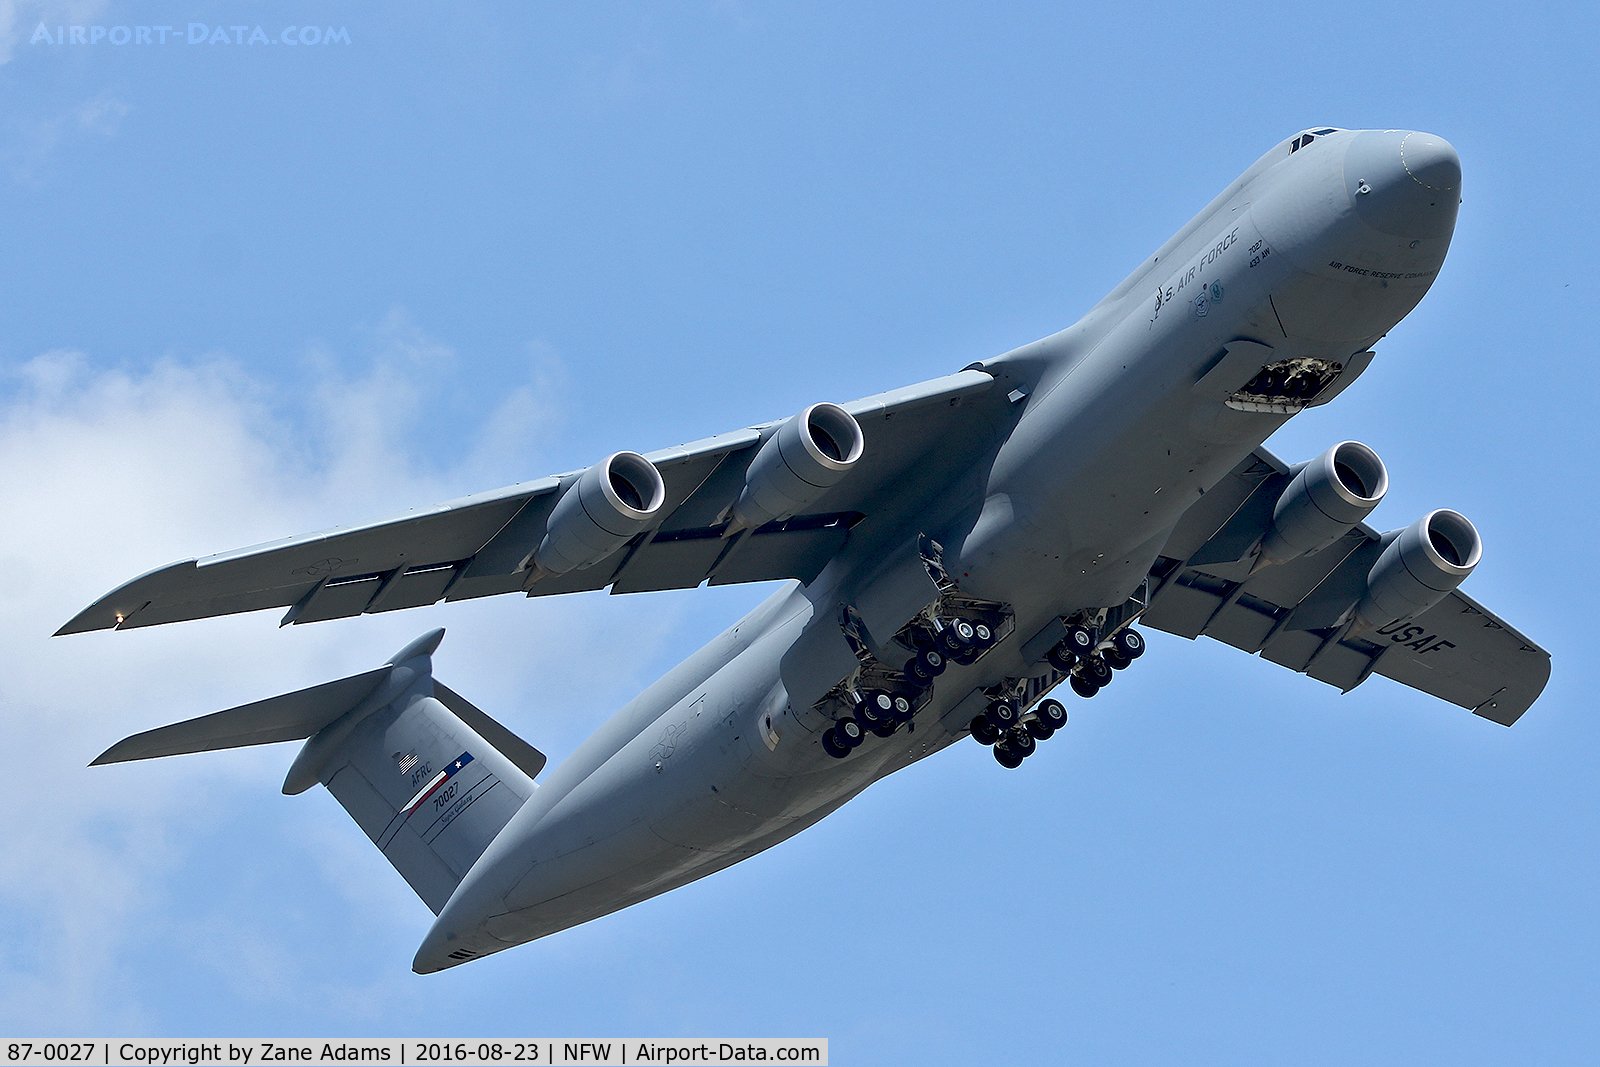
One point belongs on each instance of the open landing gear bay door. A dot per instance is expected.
(480, 545)
(1297, 613)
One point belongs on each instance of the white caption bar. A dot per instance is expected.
(389, 1052)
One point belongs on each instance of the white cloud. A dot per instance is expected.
(110, 472)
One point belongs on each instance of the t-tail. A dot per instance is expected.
(430, 778)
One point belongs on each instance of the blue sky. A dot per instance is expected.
(251, 290)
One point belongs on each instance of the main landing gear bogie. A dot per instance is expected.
(959, 632)
(879, 712)
(1090, 664)
(1015, 737)
(945, 640)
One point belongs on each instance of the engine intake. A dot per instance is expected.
(808, 455)
(1324, 499)
(609, 503)
(1427, 560)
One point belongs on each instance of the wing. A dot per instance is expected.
(478, 545)
(1293, 614)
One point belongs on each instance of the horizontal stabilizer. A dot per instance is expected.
(290, 717)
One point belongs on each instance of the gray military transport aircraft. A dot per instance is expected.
(953, 551)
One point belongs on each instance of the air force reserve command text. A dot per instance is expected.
(552, 1052)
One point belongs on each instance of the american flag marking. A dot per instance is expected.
(435, 782)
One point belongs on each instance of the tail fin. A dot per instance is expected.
(429, 778)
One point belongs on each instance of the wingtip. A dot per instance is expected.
(85, 622)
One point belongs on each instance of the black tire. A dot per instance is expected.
(965, 632)
(917, 673)
(1115, 660)
(885, 728)
(966, 656)
(875, 707)
(1038, 729)
(983, 731)
(932, 661)
(1020, 740)
(1130, 643)
(1098, 670)
(1061, 657)
(903, 708)
(1006, 757)
(831, 745)
(1083, 685)
(848, 732)
(982, 635)
(1080, 639)
(1052, 713)
(1002, 713)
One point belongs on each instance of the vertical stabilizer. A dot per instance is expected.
(430, 778)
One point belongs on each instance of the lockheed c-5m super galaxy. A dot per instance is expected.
(953, 551)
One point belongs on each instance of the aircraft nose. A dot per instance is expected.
(1404, 183)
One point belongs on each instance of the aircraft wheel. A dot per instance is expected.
(1020, 740)
(916, 674)
(1007, 757)
(932, 661)
(1080, 639)
(1130, 643)
(875, 707)
(1038, 729)
(1052, 713)
(1002, 713)
(984, 731)
(966, 656)
(1083, 685)
(1115, 660)
(903, 708)
(1061, 657)
(885, 728)
(831, 745)
(848, 732)
(982, 634)
(956, 635)
(1098, 670)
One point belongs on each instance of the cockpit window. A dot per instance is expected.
(1307, 137)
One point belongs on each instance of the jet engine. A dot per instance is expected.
(808, 455)
(1324, 499)
(609, 503)
(1428, 559)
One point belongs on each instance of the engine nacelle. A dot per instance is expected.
(808, 455)
(609, 503)
(1324, 499)
(1426, 561)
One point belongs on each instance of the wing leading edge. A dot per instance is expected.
(1296, 614)
(479, 545)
